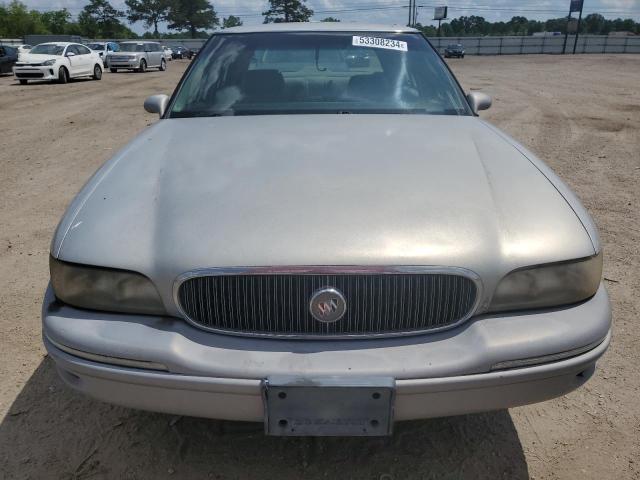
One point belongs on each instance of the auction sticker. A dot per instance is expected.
(378, 42)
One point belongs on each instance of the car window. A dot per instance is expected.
(10, 50)
(96, 46)
(132, 47)
(47, 49)
(341, 72)
(2, 52)
(82, 50)
(72, 49)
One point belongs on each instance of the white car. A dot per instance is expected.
(22, 49)
(168, 53)
(104, 49)
(59, 61)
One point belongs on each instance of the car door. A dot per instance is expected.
(158, 53)
(4, 61)
(73, 60)
(86, 59)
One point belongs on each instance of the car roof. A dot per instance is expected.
(317, 27)
(62, 44)
(137, 42)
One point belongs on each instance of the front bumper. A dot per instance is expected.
(134, 63)
(220, 376)
(35, 73)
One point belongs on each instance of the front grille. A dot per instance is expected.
(278, 304)
(30, 74)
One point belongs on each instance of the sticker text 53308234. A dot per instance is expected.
(378, 42)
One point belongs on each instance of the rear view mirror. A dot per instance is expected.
(479, 101)
(156, 104)
(358, 60)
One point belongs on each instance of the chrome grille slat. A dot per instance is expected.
(277, 304)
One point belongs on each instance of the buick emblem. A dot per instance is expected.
(327, 305)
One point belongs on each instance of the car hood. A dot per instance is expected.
(38, 58)
(320, 190)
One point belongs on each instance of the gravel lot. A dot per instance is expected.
(581, 114)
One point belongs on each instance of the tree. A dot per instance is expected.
(151, 12)
(427, 30)
(518, 25)
(56, 21)
(287, 11)
(231, 21)
(191, 15)
(330, 19)
(100, 19)
(17, 21)
(593, 23)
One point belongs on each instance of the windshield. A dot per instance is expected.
(292, 72)
(45, 49)
(96, 46)
(131, 47)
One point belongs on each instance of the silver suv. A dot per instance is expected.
(137, 56)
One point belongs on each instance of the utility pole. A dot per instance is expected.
(575, 41)
(566, 32)
(411, 3)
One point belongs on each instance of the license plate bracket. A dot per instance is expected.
(328, 406)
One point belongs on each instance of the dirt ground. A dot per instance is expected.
(580, 114)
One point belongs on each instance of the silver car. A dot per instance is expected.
(138, 56)
(325, 246)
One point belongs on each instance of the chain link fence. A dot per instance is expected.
(478, 45)
(543, 44)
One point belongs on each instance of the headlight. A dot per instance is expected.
(548, 285)
(48, 63)
(104, 288)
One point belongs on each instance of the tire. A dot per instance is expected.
(143, 66)
(97, 72)
(113, 70)
(63, 75)
(23, 82)
(163, 65)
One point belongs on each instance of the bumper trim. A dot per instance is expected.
(123, 362)
(532, 361)
(241, 399)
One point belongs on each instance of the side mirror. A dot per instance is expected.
(156, 104)
(479, 101)
(70, 54)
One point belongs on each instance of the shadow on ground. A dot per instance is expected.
(53, 432)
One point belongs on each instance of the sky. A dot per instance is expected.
(392, 11)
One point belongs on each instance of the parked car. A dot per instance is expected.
(324, 250)
(181, 52)
(168, 53)
(8, 58)
(454, 50)
(138, 56)
(60, 61)
(22, 49)
(357, 59)
(104, 49)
